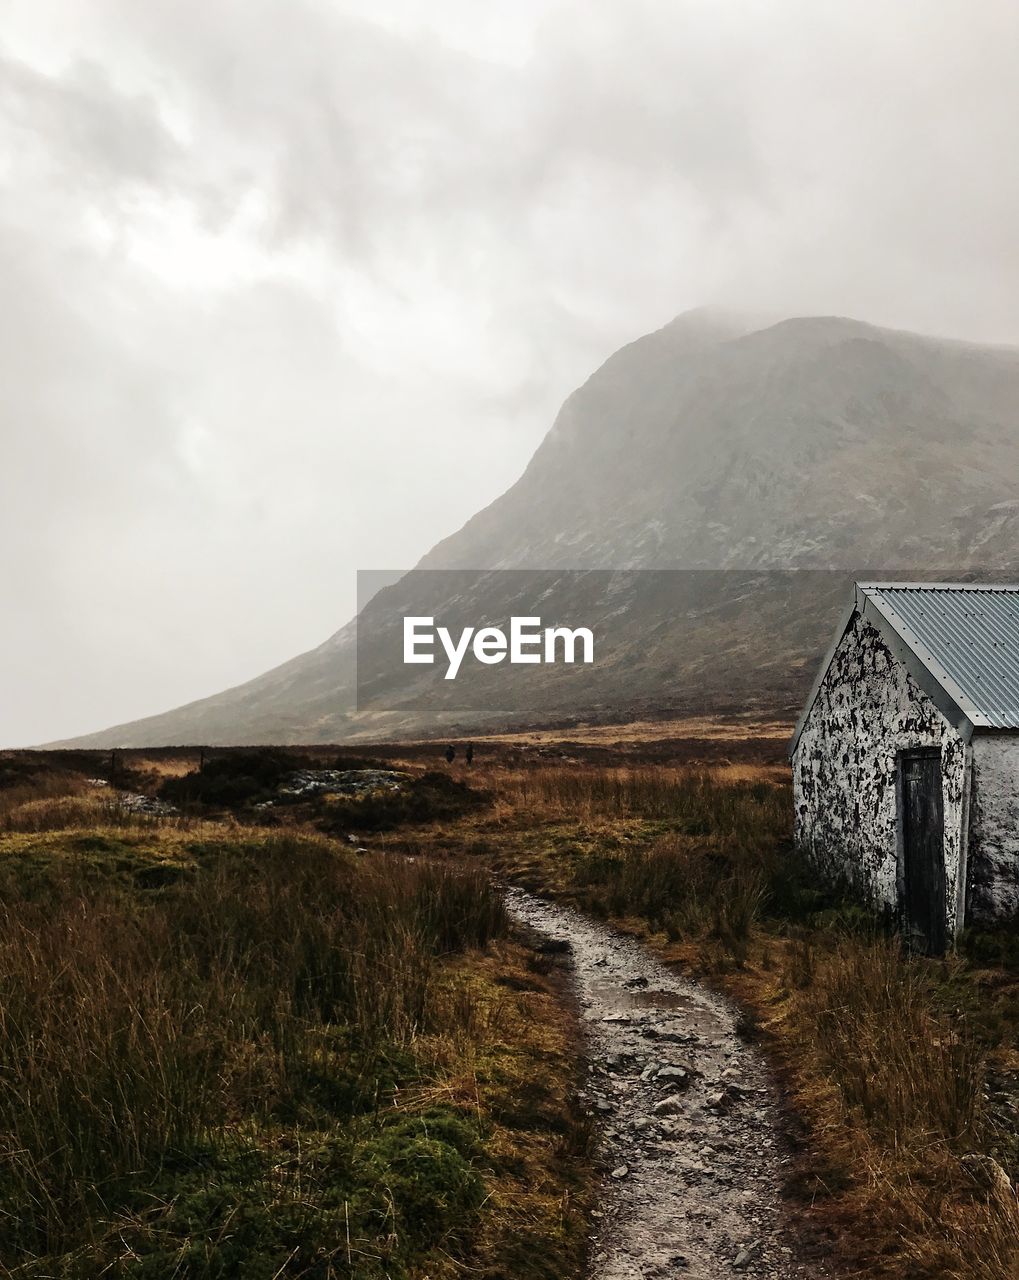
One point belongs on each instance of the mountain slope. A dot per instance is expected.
(818, 444)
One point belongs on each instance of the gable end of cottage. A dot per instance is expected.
(867, 709)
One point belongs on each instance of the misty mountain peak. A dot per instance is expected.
(742, 446)
(713, 324)
(718, 442)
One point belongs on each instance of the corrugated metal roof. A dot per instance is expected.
(966, 636)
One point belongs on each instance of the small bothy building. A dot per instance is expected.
(906, 758)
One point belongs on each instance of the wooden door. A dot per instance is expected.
(923, 850)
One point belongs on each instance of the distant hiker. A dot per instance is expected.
(470, 753)
(450, 753)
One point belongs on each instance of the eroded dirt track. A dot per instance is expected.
(689, 1122)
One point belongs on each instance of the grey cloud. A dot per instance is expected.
(83, 132)
(293, 287)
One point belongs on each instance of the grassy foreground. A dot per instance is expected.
(902, 1075)
(232, 1046)
(233, 1052)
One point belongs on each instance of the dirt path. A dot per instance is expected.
(690, 1127)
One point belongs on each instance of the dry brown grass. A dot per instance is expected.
(90, 809)
(903, 1161)
(163, 765)
(888, 1061)
(199, 1031)
(641, 733)
(906, 1158)
(705, 796)
(35, 791)
(55, 800)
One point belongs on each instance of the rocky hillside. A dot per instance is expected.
(821, 445)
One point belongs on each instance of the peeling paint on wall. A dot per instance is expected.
(845, 774)
(994, 829)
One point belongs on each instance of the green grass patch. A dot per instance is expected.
(227, 1057)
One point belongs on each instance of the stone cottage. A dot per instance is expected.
(906, 758)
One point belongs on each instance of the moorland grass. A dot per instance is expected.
(889, 1058)
(256, 1055)
(227, 1052)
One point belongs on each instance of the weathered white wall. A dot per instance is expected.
(994, 829)
(844, 769)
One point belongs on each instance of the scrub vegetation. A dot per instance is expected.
(232, 1051)
(231, 1045)
(901, 1073)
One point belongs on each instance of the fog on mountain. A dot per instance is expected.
(717, 443)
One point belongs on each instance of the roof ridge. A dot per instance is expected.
(967, 637)
(959, 642)
(1002, 587)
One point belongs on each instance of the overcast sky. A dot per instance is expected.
(293, 287)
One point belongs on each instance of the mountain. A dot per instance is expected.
(702, 503)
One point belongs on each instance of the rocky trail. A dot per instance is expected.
(690, 1127)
